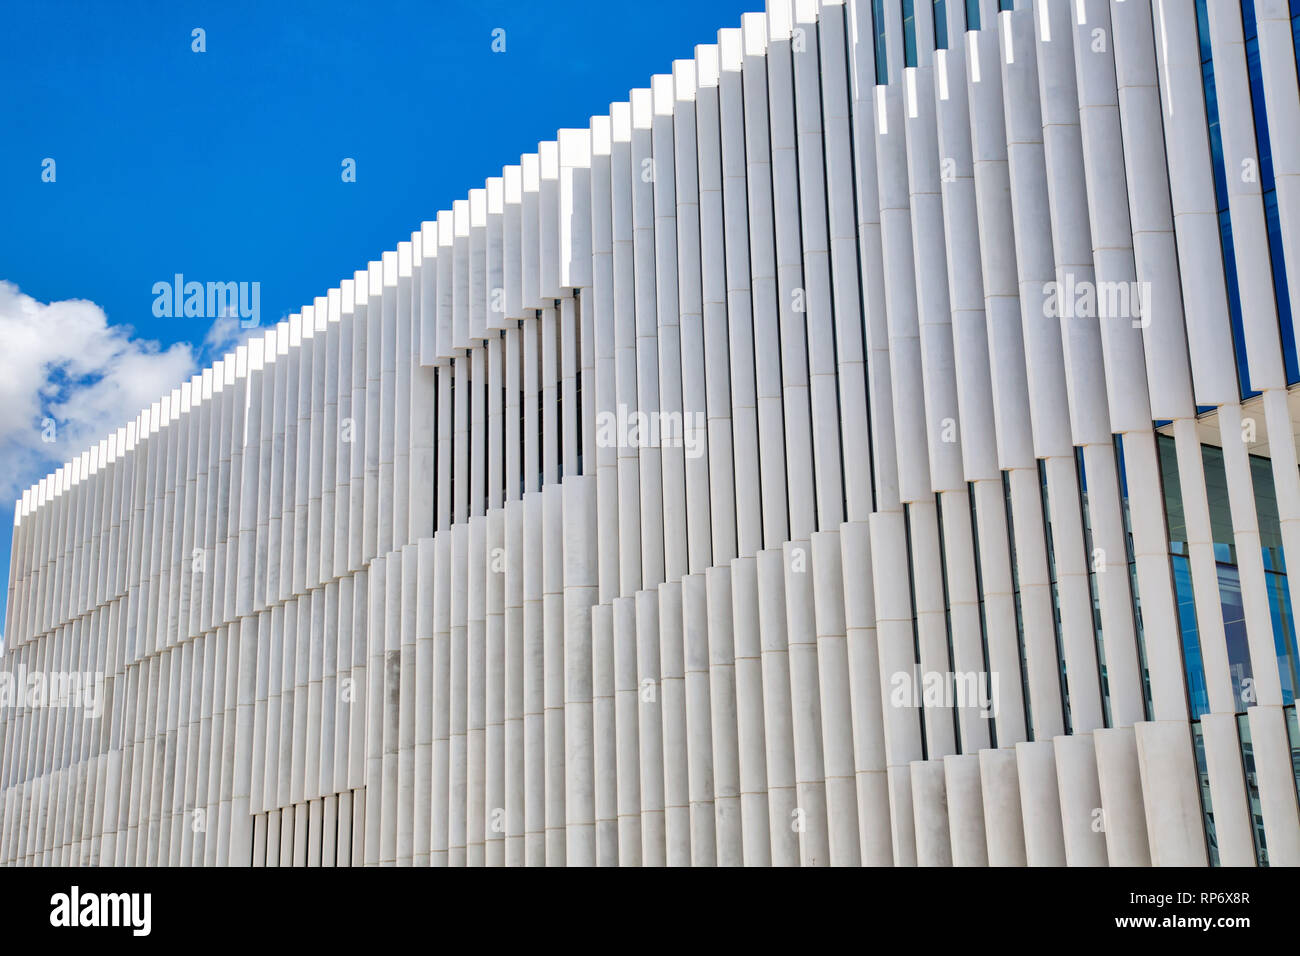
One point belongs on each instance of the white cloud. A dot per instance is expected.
(62, 361)
(224, 336)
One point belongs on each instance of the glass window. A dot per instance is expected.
(1056, 594)
(916, 633)
(1203, 30)
(1252, 791)
(972, 14)
(940, 24)
(1020, 618)
(1293, 736)
(1207, 803)
(1198, 694)
(1234, 630)
(963, 746)
(979, 589)
(909, 33)
(1279, 594)
(1281, 285)
(1193, 663)
(1268, 186)
(1221, 196)
(1225, 554)
(1279, 606)
(878, 18)
(1131, 556)
(1173, 491)
(1229, 578)
(1090, 549)
(1216, 486)
(1295, 31)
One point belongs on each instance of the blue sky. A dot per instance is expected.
(225, 165)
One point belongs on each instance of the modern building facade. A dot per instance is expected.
(874, 442)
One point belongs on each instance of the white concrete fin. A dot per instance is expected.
(661, 89)
(731, 49)
(513, 184)
(754, 27)
(620, 122)
(548, 159)
(574, 148)
(706, 65)
(684, 80)
(780, 15)
(642, 108)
